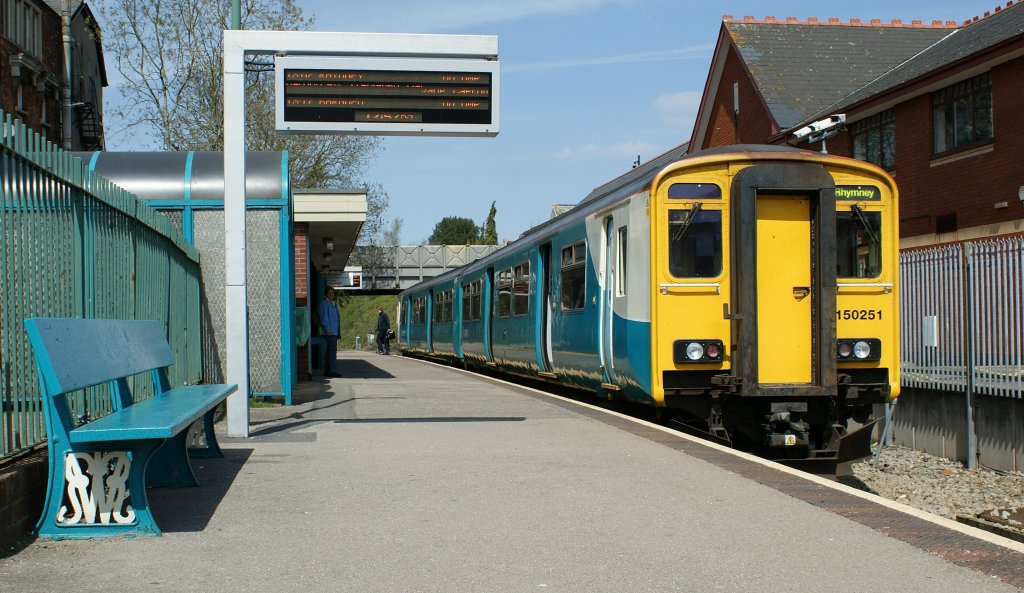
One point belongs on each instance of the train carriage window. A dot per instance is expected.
(858, 243)
(521, 289)
(419, 311)
(695, 242)
(573, 277)
(443, 306)
(471, 300)
(503, 303)
(620, 264)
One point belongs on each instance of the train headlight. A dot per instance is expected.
(697, 351)
(866, 349)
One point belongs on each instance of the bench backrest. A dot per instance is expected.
(77, 353)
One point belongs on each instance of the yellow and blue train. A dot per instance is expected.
(748, 291)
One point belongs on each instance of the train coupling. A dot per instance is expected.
(785, 427)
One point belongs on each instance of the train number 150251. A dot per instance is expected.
(869, 314)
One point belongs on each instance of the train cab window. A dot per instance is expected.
(521, 289)
(694, 191)
(695, 242)
(503, 304)
(573, 277)
(858, 243)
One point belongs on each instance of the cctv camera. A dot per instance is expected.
(821, 129)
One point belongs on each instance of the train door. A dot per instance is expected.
(605, 325)
(544, 307)
(785, 289)
(430, 320)
(487, 311)
(784, 263)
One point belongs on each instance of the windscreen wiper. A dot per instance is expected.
(875, 239)
(678, 233)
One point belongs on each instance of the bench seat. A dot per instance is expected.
(159, 417)
(99, 468)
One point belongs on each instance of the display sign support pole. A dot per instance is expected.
(237, 45)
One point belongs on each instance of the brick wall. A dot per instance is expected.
(301, 243)
(22, 490)
(753, 125)
(968, 183)
(301, 240)
(32, 98)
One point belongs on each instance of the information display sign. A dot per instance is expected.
(385, 96)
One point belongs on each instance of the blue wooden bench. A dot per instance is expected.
(99, 468)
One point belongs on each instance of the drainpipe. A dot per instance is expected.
(68, 118)
(236, 14)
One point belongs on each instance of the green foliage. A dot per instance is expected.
(359, 317)
(455, 230)
(489, 232)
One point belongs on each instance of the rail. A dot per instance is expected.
(75, 245)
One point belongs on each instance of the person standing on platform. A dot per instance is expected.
(330, 329)
(383, 327)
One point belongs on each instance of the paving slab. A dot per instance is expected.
(402, 476)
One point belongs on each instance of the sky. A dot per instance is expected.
(587, 87)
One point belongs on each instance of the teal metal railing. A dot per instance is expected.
(74, 244)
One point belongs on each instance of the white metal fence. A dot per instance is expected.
(962, 326)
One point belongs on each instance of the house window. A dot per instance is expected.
(573, 278)
(962, 114)
(23, 25)
(874, 140)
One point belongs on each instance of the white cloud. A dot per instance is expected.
(679, 110)
(697, 51)
(419, 16)
(592, 152)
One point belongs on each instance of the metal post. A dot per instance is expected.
(236, 14)
(235, 304)
(972, 440)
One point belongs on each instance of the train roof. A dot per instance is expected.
(633, 181)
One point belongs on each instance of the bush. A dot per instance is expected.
(359, 318)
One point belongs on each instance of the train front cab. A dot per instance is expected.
(774, 309)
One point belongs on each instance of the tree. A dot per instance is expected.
(378, 258)
(489, 232)
(454, 230)
(171, 57)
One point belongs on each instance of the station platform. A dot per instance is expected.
(405, 476)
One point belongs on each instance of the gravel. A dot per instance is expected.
(942, 486)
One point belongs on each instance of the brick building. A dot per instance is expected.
(934, 104)
(33, 75)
